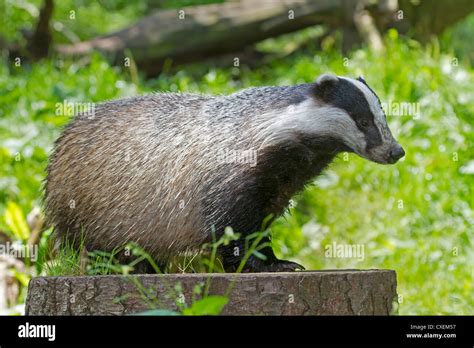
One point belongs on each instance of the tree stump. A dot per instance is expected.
(338, 292)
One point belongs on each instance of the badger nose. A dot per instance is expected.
(396, 153)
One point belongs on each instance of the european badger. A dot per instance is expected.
(150, 169)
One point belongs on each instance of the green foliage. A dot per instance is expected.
(158, 312)
(458, 40)
(210, 305)
(415, 217)
(16, 222)
(67, 261)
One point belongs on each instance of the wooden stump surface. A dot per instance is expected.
(338, 292)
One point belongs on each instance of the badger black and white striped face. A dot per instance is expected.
(350, 111)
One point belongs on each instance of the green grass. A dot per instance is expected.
(415, 217)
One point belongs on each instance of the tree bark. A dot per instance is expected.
(40, 42)
(341, 292)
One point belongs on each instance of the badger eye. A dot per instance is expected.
(364, 123)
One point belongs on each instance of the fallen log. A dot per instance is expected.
(339, 292)
(193, 33)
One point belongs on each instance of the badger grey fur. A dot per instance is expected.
(149, 169)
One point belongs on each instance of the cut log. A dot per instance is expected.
(339, 292)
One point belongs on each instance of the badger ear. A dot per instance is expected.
(326, 78)
(361, 79)
(325, 84)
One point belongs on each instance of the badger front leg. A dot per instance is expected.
(235, 253)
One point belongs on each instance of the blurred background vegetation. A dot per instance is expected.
(415, 217)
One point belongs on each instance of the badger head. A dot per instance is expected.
(349, 111)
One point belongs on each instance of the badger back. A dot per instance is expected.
(113, 177)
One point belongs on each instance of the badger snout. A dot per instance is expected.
(387, 153)
(395, 153)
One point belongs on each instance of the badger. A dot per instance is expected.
(169, 171)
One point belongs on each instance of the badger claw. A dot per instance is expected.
(285, 266)
(274, 266)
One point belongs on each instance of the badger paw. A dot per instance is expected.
(284, 266)
(257, 266)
